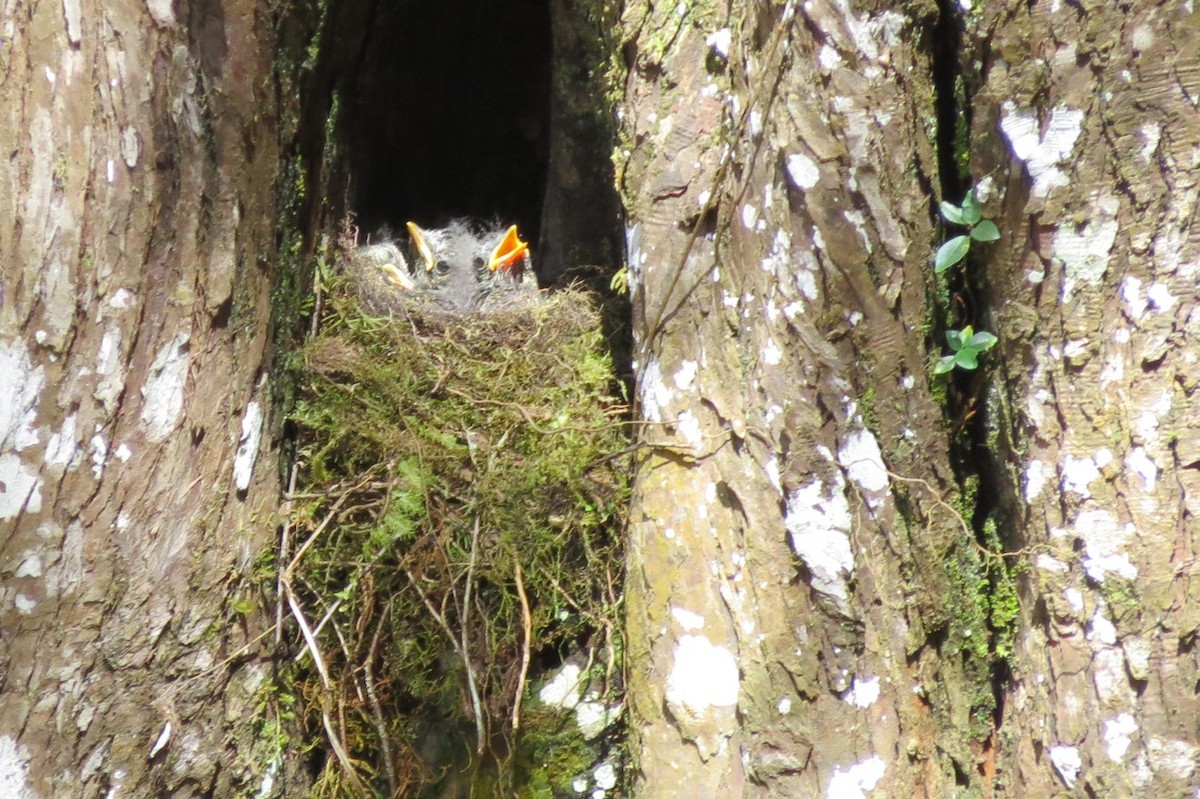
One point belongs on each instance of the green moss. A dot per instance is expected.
(983, 604)
(552, 754)
(1122, 597)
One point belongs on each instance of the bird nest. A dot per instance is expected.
(457, 519)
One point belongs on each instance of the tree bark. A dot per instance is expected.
(802, 598)
(1086, 123)
(139, 214)
(813, 609)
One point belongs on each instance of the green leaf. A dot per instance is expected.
(951, 213)
(971, 212)
(944, 365)
(967, 358)
(985, 231)
(982, 341)
(951, 253)
(955, 339)
(620, 281)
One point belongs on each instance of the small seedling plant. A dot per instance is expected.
(966, 343)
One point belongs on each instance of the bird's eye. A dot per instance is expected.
(442, 267)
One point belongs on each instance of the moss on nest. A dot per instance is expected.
(459, 484)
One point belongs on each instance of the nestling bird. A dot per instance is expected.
(462, 267)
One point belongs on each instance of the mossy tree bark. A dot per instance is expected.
(803, 609)
(138, 218)
(1087, 122)
(807, 615)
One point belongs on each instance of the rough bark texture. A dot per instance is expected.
(137, 225)
(801, 604)
(1087, 120)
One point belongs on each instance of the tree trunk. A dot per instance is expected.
(1087, 124)
(803, 609)
(139, 207)
(818, 602)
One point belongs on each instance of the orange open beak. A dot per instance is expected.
(509, 252)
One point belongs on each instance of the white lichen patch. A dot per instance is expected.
(749, 216)
(1142, 38)
(1160, 297)
(22, 487)
(1110, 678)
(653, 391)
(247, 451)
(1075, 349)
(563, 689)
(593, 717)
(605, 776)
(805, 277)
(1140, 464)
(1067, 763)
(1151, 133)
(1042, 152)
(162, 394)
(818, 526)
(1112, 372)
(1036, 473)
(23, 382)
(1173, 758)
(719, 41)
(1137, 656)
(1084, 252)
(802, 171)
(870, 34)
(1131, 292)
(162, 11)
(688, 620)
(771, 467)
(1118, 732)
(1104, 543)
(1036, 405)
(859, 222)
(863, 693)
(854, 781)
(778, 258)
(109, 368)
(14, 770)
(703, 676)
(685, 375)
(1100, 629)
(63, 446)
(771, 353)
(31, 566)
(1145, 427)
(860, 456)
(99, 455)
(829, 59)
(689, 427)
(1078, 474)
